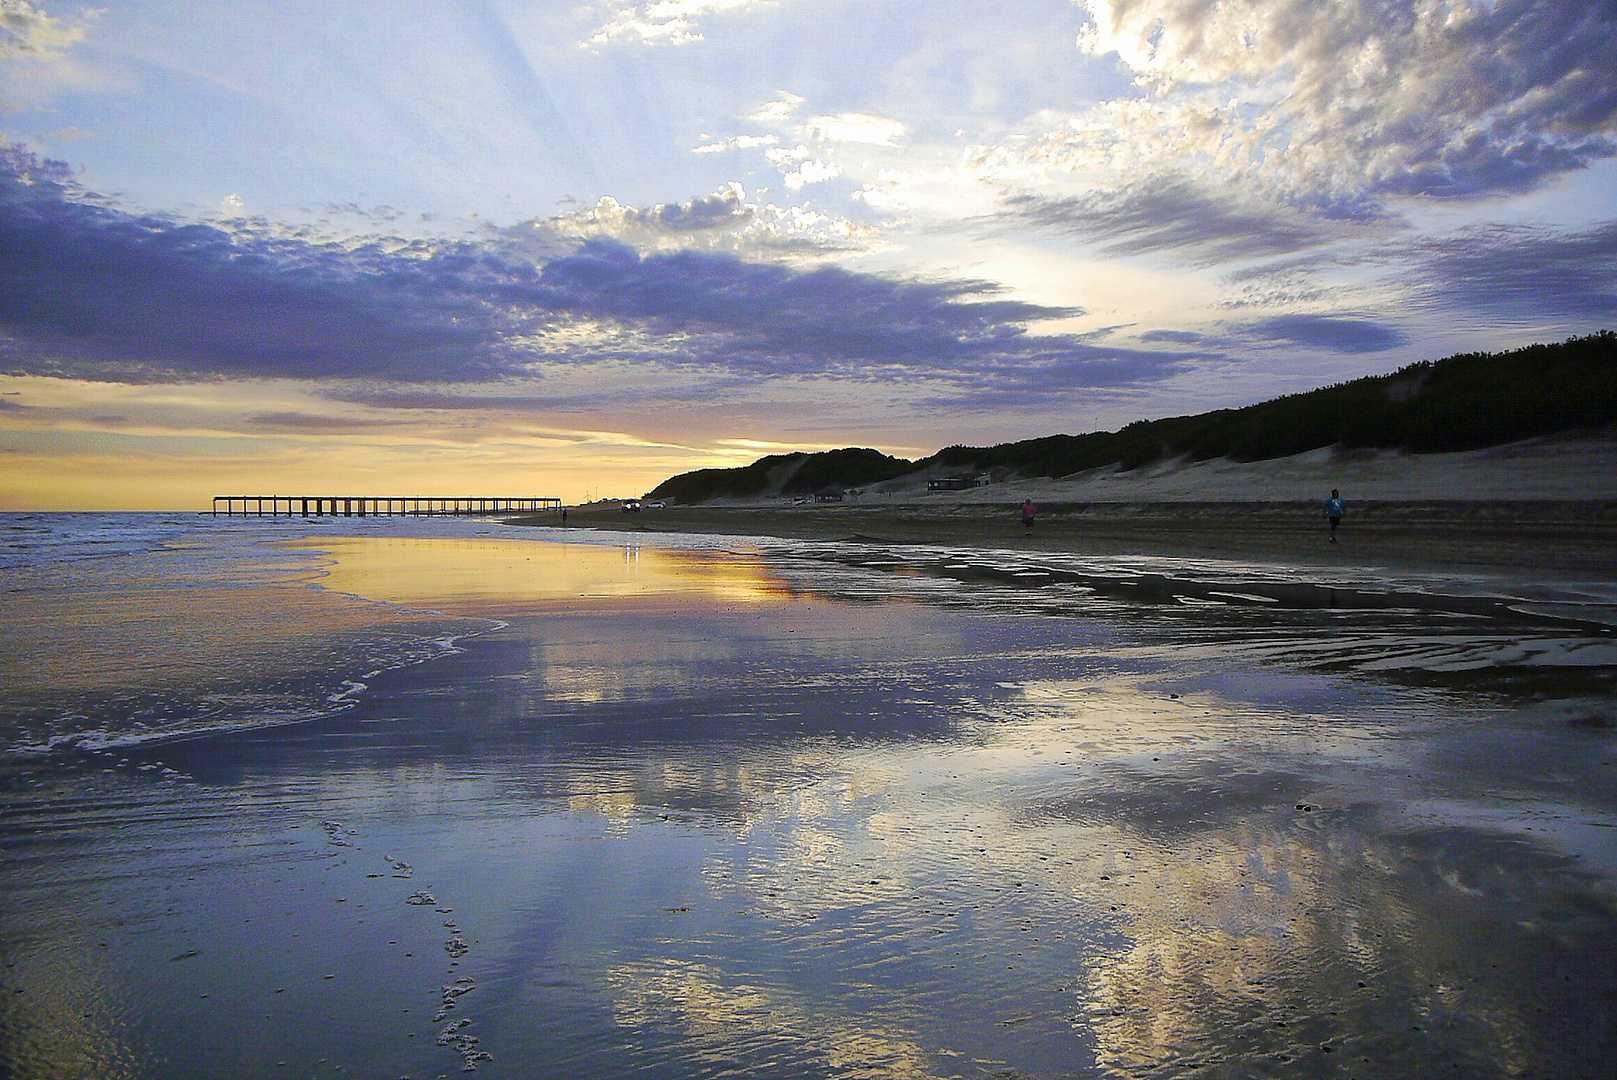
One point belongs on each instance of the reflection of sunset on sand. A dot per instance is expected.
(474, 576)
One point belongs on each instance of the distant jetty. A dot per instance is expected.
(377, 506)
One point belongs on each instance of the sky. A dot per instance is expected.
(534, 248)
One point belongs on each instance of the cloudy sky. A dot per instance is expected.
(534, 247)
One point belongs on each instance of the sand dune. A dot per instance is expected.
(1551, 469)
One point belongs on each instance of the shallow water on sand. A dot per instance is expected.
(835, 812)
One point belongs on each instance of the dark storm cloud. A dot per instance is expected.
(787, 321)
(1173, 214)
(91, 291)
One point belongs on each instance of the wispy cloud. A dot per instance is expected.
(855, 128)
(1499, 272)
(1198, 222)
(738, 142)
(1340, 334)
(726, 209)
(727, 220)
(310, 423)
(1528, 272)
(661, 22)
(777, 110)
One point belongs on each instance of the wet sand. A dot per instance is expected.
(1554, 540)
(807, 812)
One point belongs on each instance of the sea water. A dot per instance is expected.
(407, 798)
(121, 628)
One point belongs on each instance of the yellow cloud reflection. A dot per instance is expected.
(493, 577)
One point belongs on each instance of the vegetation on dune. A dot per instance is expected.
(785, 474)
(1465, 402)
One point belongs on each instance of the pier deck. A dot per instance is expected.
(377, 506)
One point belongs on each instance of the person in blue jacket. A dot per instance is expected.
(1333, 512)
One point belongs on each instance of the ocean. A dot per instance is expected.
(413, 797)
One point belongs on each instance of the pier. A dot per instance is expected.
(377, 506)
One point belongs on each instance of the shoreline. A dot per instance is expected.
(1542, 509)
(1546, 540)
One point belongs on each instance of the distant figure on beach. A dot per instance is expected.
(564, 515)
(1027, 513)
(1333, 512)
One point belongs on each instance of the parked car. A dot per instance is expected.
(656, 504)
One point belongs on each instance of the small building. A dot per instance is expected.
(828, 495)
(951, 483)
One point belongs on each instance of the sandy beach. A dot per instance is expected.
(1546, 508)
(1552, 540)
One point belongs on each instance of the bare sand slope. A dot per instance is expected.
(1538, 469)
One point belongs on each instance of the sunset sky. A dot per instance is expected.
(525, 247)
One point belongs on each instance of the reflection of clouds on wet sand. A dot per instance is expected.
(1225, 898)
(719, 1017)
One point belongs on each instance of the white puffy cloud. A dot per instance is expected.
(27, 31)
(35, 58)
(812, 171)
(799, 167)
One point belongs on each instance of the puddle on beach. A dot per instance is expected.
(696, 813)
